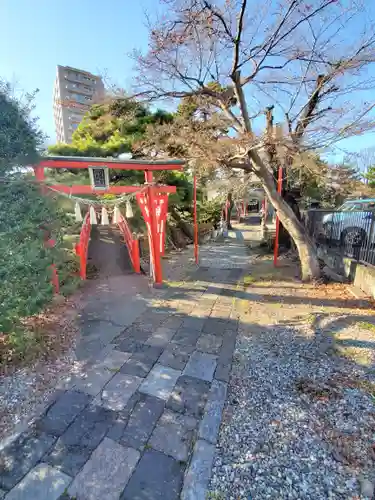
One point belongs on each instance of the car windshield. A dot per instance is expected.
(347, 207)
(350, 206)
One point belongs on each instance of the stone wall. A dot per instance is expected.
(360, 274)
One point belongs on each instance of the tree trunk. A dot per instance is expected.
(310, 268)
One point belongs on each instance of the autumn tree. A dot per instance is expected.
(370, 176)
(282, 79)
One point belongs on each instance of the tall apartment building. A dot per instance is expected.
(74, 92)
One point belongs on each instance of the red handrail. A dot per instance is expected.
(83, 245)
(131, 242)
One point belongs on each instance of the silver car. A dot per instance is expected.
(352, 223)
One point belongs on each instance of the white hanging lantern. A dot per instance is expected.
(93, 219)
(129, 211)
(116, 215)
(105, 220)
(77, 212)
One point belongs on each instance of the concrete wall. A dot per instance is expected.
(361, 275)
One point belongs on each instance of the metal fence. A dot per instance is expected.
(352, 233)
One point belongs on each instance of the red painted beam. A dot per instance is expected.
(77, 189)
(109, 164)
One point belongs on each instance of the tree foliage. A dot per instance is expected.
(20, 137)
(110, 129)
(370, 176)
(25, 217)
(340, 182)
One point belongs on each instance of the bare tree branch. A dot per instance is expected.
(237, 40)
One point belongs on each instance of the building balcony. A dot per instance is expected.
(79, 78)
(80, 90)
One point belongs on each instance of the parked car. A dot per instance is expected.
(352, 223)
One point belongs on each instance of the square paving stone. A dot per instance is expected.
(186, 337)
(41, 483)
(142, 422)
(224, 363)
(117, 429)
(118, 391)
(209, 343)
(67, 458)
(189, 396)
(93, 380)
(142, 361)
(173, 322)
(155, 318)
(21, 455)
(107, 472)
(160, 381)
(194, 323)
(202, 313)
(74, 447)
(215, 326)
(112, 360)
(161, 336)
(176, 356)
(174, 435)
(185, 307)
(157, 477)
(201, 365)
(199, 472)
(222, 313)
(129, 344)
(62, 413)
(139, 327)
(210, 424)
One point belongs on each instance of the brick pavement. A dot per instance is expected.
(142, 420)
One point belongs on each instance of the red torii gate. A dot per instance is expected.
(152, 199)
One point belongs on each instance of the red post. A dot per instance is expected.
(50, 243)
(153, 238)
(277, 233)
(195, 221)
(136, 257)
(158, 275)
(39, 173)
(55, 279)
(40, 177)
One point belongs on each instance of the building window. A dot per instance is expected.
(77, 118)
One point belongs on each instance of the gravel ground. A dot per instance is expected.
(300, 420)
(28, 389)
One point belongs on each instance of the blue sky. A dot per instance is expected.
(93, 35)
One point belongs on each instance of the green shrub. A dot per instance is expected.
(25, 262)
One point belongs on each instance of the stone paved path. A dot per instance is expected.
(142, 419)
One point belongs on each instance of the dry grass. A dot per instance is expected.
(367, 326)
(248, 280)
(356, 354)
